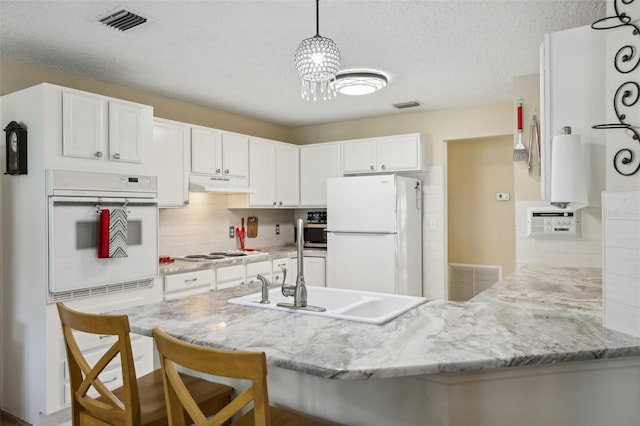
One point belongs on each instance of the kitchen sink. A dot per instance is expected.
(350, 305)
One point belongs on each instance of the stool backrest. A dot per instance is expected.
(232, 364)
(106, 408)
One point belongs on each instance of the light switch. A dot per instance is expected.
(503, 196)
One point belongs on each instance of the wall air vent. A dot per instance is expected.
(122, 19)
(410, 104)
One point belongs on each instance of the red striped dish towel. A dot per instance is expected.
(112, 233)
(103, 234)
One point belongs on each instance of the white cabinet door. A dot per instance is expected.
(235, 154)
(385, 154)
(262, 172)
(214, 152)
(397, 153)
(206, 151)
(287, 175)
(126, 131)
(273, 174)
(171, 162)
(96, 127)
(84, 133)
(359, 156)
(314, 270)
(318, 162)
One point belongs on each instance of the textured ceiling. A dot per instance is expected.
(238, 55)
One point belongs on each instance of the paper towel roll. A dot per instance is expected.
(568, 176)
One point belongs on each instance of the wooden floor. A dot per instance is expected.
(7, 419)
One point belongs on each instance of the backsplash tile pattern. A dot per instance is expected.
(203, 226)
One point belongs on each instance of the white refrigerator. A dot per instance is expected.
(374, 234)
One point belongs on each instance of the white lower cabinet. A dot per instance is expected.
(280, 267)
(230, 276)
(188, 283)
(93, 345)
(254, 269)
(314, 269)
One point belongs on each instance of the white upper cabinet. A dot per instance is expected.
(274, 174)
(385, 154)
(171, 155)
(219, 153)
(318, 162)
(97, 127)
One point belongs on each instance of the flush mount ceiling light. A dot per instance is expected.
(318, 62)
(360, 82)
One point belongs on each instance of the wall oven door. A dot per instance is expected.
(73, 236)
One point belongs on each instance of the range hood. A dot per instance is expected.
(222, 184)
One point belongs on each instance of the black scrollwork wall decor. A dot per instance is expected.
(627, 160)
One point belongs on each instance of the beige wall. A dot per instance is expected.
(16, 75)
(435, 126)
(481, 230)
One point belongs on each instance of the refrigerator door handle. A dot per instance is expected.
(360, 233)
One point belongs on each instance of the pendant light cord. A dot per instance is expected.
(317, 18)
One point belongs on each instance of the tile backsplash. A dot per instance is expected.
(203, 226)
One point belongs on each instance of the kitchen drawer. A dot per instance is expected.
(255, 268)
(201, 280)
(229, 276)
(278, 267)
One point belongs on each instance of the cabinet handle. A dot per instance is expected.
(384, 167)
(274, 203)
(99, 154)
(191, 281)
(116, 156)
(280, 203)
(226, 171)
(104, 336)
(371, 168)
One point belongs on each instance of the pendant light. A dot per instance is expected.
(317, 61)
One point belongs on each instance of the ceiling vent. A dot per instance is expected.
(410, 104)
(122, 19)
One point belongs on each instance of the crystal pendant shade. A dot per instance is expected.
(318, 62)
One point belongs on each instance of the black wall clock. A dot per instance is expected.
(16, 149)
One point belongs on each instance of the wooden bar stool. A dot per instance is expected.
(234, 364)
(138, 401)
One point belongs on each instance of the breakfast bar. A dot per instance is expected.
(533, 344)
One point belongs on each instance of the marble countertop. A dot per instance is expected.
(268, 253)
(537, 315)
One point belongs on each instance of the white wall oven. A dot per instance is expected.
(79, 207)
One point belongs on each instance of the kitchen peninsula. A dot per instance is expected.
(442, 363)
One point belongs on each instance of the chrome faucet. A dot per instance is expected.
(265, 289)
(299, 291)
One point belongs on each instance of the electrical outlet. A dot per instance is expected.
(231, 232)
(277, 229)
(503, 196)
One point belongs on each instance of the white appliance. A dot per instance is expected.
(75, 200)
(374, 234)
